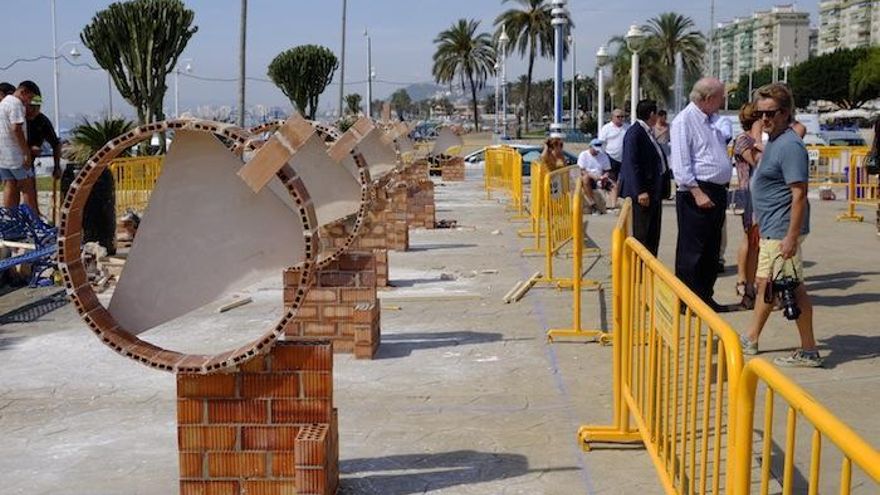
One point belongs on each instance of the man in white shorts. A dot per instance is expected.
(595, 167)
(15, 155)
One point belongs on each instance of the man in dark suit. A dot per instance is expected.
(644, 175)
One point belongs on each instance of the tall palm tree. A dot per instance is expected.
(463, 53)
(672, 33)
(530, 30)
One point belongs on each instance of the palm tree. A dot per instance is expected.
(530, 30)
(87, 138)
(672, 33)
(654, 77)
(463, 53)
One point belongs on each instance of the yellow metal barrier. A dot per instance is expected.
(853, 449)
(862, 189)
(503, 172)
(827, 163)
(677, 368)
(577, 228)
(492, 170)
(135, 178)
(556, 212)
(536, 198)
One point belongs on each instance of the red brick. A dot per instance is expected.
(238, 411)
(206, 437)
(336, 312)
(209, 488)
(311, 481)
(191, 465)
(236, 464)
(302, 357)
(337, 279)
(268, 437)
(271, 487)
(322, 295)
(301, 411)
(190, 411)
(317, 385)
(318, 329)
(254, 365)
(269, 385)
(311, 446)
(283, 464)
(357, 295)
(204, 386)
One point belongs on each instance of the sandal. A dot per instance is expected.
(748, 294)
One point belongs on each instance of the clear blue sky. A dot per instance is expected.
(402, 35)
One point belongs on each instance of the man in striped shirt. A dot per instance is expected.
(702, 171)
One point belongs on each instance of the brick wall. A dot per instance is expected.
(341, 306)
(420, 212)
(269, 428)
(452, 170)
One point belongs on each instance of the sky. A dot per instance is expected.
(402, 34)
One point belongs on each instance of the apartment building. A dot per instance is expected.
(848, 24)
(767, 38)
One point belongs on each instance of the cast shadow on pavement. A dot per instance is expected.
(399, 345)
(431, 247)
(839, 281)
(842, 348)
(417, 473)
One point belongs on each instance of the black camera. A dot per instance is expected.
(785, 287)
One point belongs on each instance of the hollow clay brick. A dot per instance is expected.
(206, 437)
(239, 411)
(312, 445)
(303, 357)
(236, 464)
(270, 487)
(269, 385)
(190, 411)
(283, 464)
(316, 384)
(209, 488)
(268, 437)
(205, 386)
(191, 465)
(300, 411)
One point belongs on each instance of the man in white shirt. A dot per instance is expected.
(612, 135)
(702, 171)
(595, 166)
(15, 155)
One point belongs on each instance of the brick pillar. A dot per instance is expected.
(268, 428)
(341, 307)
(452, 170)
(420, 205)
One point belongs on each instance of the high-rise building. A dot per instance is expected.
(848, 24)
(767, 38)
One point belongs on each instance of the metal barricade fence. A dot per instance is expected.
(135, 178)
(577, 244)
(852, 448)
(492, 170)
(862, 189)
(677, 364)
(513, 167)
(556, 206)
(536, 197)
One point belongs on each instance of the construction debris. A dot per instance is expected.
(238, 302)
(445, 224)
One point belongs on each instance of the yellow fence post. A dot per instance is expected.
(577, 228)
(853, 448)
(860, 190)
(536, 209)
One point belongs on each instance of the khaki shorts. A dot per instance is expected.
(770, 261)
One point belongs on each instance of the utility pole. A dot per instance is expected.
(342, 64)
(241, 63)
(712, 38)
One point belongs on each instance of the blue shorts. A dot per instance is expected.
(18, 173)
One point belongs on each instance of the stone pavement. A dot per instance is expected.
(465, 396)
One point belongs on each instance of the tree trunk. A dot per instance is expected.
(474, 101)
(529, 83)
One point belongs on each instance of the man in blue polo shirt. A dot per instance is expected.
(779, 198)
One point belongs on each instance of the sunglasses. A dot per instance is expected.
(766, 113)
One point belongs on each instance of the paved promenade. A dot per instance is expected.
(465, 396)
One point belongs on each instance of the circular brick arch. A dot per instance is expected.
(330, 134)
(99, 319)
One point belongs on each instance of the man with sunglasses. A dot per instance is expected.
(779, 198)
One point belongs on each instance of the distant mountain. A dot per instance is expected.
(420, 91)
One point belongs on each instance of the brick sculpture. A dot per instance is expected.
(269, 427)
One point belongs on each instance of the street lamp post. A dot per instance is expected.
(502, 43)
(186, 69)
(369, 74)
(560, 20)
(497, 95)
(634, 41)
(601, 60)
(573, 83)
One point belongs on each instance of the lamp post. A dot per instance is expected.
(370, 74)
(497, 88)
(560, 20)
(573, 83)
(55, 71)
(502, 46)
(342, 63)
(786, 63)
(186, 69)
(601, 60)
(635, 39)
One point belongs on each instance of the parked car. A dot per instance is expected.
(843, 138)
(529, 152)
